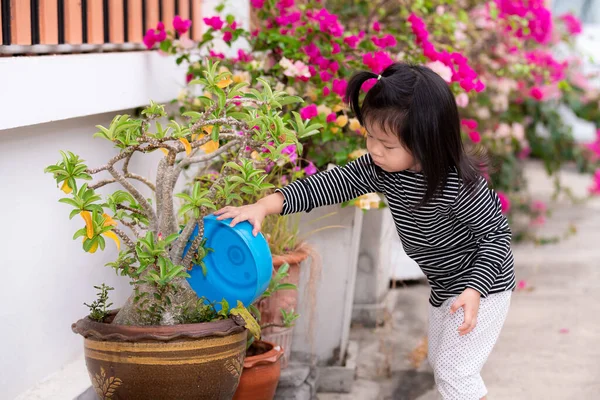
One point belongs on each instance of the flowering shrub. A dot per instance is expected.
(497, 57)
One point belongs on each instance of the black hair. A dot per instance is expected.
(416, 105)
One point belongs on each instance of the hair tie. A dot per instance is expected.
(378, 77)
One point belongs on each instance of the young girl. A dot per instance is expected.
(449, 222)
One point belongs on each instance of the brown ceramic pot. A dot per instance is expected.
(190, 361)
(261, 373)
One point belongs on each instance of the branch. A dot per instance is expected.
(128, 175)
(187, 260)
(124, 238)
(207, 157)
(137, 195)
(112, 161)
(131, 226)
(134, 210)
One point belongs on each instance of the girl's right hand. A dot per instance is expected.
(253, 213)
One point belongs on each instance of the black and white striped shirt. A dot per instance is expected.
(460, 239)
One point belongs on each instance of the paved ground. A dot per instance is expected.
(549, 347)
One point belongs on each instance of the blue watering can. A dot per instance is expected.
(238, 268)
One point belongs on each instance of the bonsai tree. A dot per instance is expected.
(243, 126)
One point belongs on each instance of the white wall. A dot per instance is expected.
(46, 276)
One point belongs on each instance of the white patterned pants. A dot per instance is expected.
(457, 360)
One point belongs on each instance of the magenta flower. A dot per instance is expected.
(310, 169)
(312, 50)
(369, 83)
(181, 25)
(189, 77)
(377, 61)
(475, 136)
(150, 39)
(334, 66)
(331, 118)
(283, 4)
(160, 26)
(335, 48)
(384, 41)
(469, 123)
(595, 188)
(291, 152)
(376, 26)
(214, 22)
(257, 3)
(326, 91)
(328, 23)
(536, 93)
(214, 54)
(504, 202)
(243, 56)
(309, 112)
(572, 23)
(325, 76)
(227, 36)
(339, 87)
(351, 41)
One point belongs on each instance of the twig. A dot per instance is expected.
(129, 175)
(124, 238)
(131, 226)
(133, 210)
(137, 195)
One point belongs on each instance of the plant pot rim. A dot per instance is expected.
(270, 357)
(104, 331)
(293, 257)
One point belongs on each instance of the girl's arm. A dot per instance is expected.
(331, 187)
(481, 211)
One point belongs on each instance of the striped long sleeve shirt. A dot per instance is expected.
(460, 239)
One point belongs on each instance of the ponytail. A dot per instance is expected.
(353, 91)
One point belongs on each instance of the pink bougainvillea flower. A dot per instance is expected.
(441, 69)
(523, 154)
(257, 3)
(384, 41)
(283, 4)
(181, 25)
(475, 136)
(326, 91)
(310, 169)
(376, 26)
(291, 152)
(339, 87)
(243, 56)
(188, 78)
(325, 76)
(572, 23)
(331, 117)
(214, 22)
(536, 93)
(334, 66)
(377, 61)
(369, 83)
(522, 284)
(328, 23)
(309, 111)
(504, 202)
(214, 54)
(227, 36)
(335, 48)
(538, 221)
(539, 206)
(564, 330)
(312, 50)
(595, 188)
(150, 39)
(469, 123)
(462, 100)
(351, 41)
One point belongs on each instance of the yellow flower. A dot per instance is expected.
(363, 131)
(241, 77)
(186, 145)
(354, 124)
(224, 83)
(108, 220)
(207, 94)
(114, 237)
(254, 155)
(65, 187)
(339, 107)
(341, 121)
(94, 247)
(89, 226)
(197, 102)
(357, 153)
(335, 129)
(311, 94)
(212, 145)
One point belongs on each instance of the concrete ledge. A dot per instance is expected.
(339, 379)
(373, 315)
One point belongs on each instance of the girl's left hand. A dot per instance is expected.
(469, 301)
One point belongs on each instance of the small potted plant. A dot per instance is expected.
(167, 341)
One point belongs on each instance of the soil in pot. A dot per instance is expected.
(262, 370)
(188, 361)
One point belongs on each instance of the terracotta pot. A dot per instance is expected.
(191, 361)
(281, 337)
(261, 373)
(270, 308)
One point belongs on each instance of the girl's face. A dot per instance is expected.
(387, 151)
